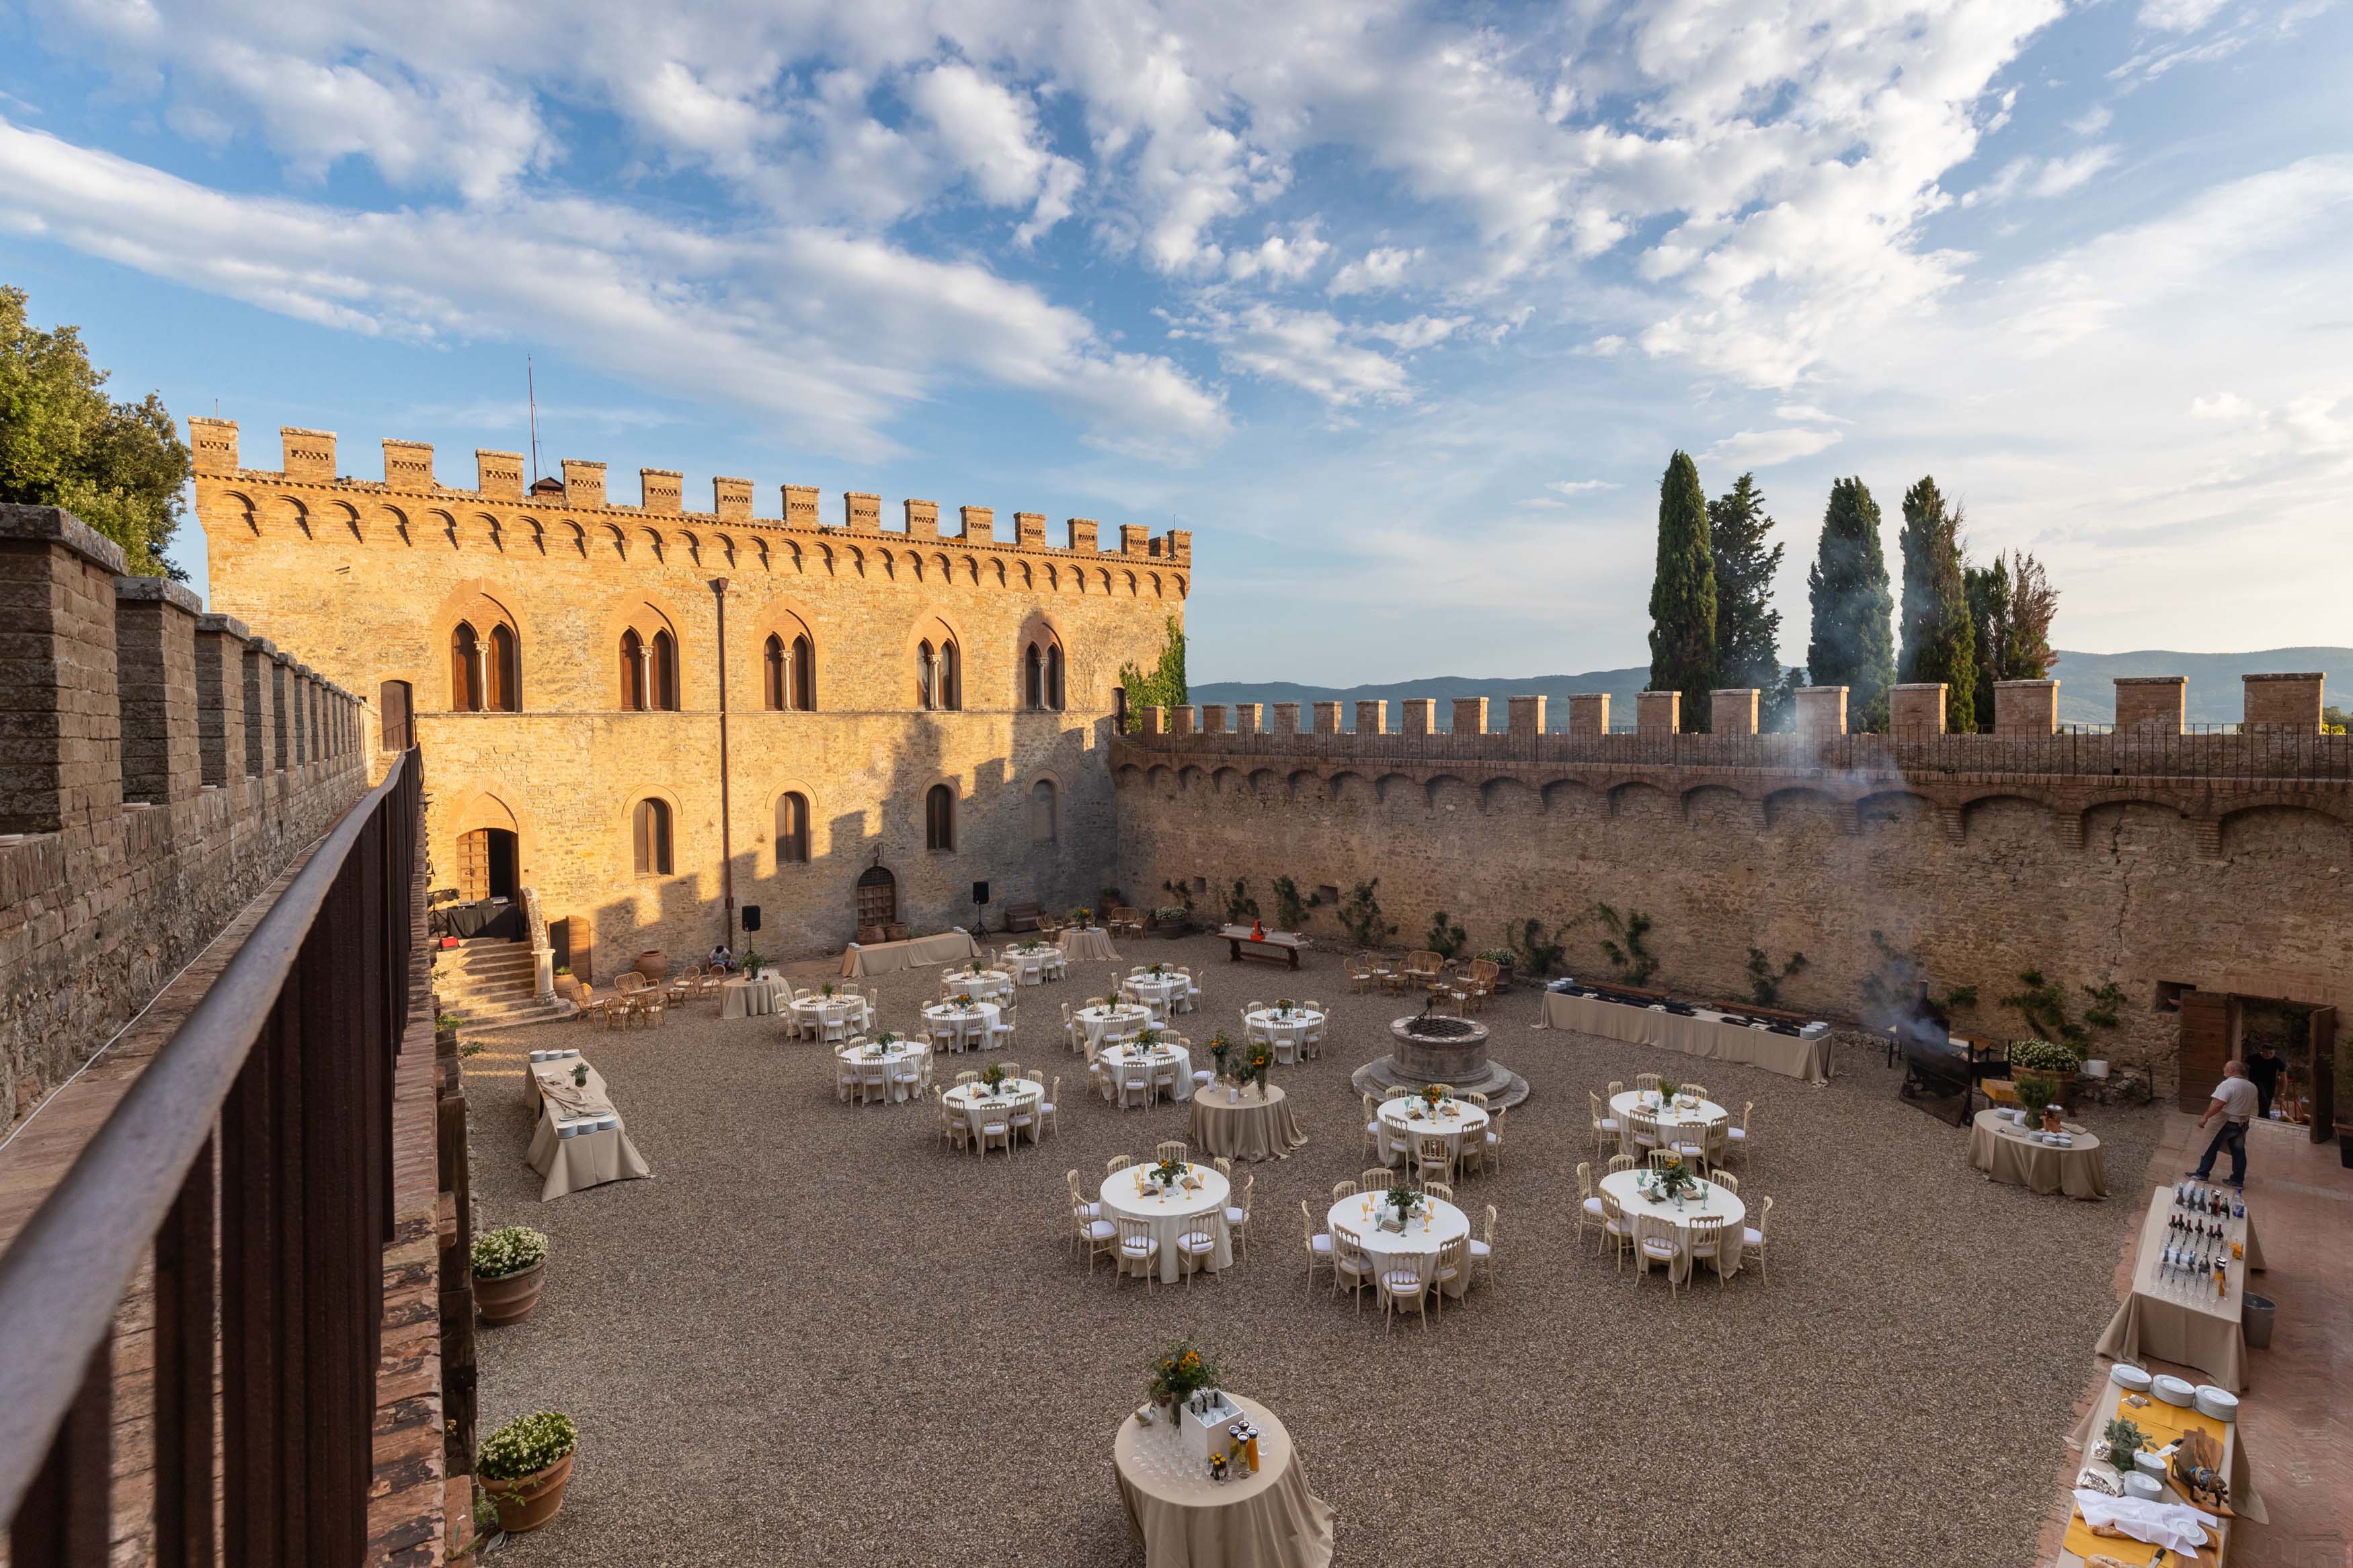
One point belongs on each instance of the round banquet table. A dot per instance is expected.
(1403, 1120)
(1092, 945)
(980, 1017)
(811, 1014)
(985, 986)
(1187, 1521)
(1251, 1128)
(1691, 1120)
(743, 998)
(2005, 1153)
(1112, 1058)
(1161, 990)
(1438, 1222)
(1124, 1019)
(901, 1064)
(969, 1099)
(1283, 1033)
(1027, 965)
(1624, 1185)
(1170, 1215)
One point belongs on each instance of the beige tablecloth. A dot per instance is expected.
(2182, 1325)
(752, 998)
(1187, 1521)
(1403, 1120)
(1171, 1213)
(1437, 1223)
(887, 957)
(1701, 1035)
(1253, 1129)
(587, 1159)
(2006, 1154)
(1626, 1187)
(1091, 945)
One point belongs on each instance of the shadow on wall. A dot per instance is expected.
(810, 909)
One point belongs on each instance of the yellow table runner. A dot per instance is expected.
(2162, 1424)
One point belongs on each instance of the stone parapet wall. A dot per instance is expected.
(133, 823)
(2213, 861)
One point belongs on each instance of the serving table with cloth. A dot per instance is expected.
(811, 1014)
(988, 986)
(1184, 1519)
(579, 1141)
(1088, 944)
(2179, 1321)
(1435, 1224)
(975, 1026)
(1711, 1202)
(1170, 1212)
(1159, 992)
(898, 1066)
(1123, 1020)
(2162, 1424)
(486, 918)
(1273, 946)
(1703, 1034)
(1677, 1124)
(745, 998)
(1407, 1116)
(975, 1103)
(1255, 1127)
(2005, 1152)
(1115, 1059)
(1026, 964)
(915, 953)
(1286, 1032)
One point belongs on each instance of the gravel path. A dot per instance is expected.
(820, 1337)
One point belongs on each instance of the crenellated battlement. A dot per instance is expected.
(575, 512)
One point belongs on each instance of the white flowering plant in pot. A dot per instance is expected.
(526, 1445)
(509, 1249)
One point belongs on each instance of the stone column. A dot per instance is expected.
(1470, 715)
(1373, 718)
(1328, 718)
(260, 665)
(1181, 720)
(61, 747)
(2151, 704)
(281, 734)
(2025, 707)
(1420, 715)
(1589, 714)
(2288, 703)
(1245, 718)
(1732, 710)
(1658, 712)
(1156, 721)
(1821, 713)
(1286, 719)
(1213, 719)
(1526, 715)
(155, 664)
(1916, 708)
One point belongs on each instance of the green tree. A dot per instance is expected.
(1747, 626)
(1164, 687)
(2012, 607)
(1989, 594)
(1682, 594)
(119, 466)
(1852, 644)
(1939, 635)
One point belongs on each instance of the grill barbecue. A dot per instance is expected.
(1938, 1068)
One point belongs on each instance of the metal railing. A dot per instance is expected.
(252, 1158)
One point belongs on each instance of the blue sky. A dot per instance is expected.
(1400, 309)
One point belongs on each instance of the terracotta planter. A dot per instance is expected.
(509, 1298)
(529, 1501)
(1503, 975)
(652, 965)
(568, 988)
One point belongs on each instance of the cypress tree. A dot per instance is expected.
(1682, 594)
(1939, 634)
(1853, 643)
(1988, 596)
(1747, 626)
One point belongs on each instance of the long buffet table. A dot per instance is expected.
(1703, 1034)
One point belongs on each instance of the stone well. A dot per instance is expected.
(1430, 1049)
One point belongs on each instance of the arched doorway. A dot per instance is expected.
(486, 864)
(877, 898)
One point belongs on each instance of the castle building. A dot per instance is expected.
(663, 720)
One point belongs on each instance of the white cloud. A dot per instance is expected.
(1764, 448)
(1312, 350)
(1279, 258)
(2092, 121)
(2227, 405)
(2043, 177)
(1805, 411)
(991, 135)
(1581, 486)
(1421, 332)
(1383, 267)
(2178, 16)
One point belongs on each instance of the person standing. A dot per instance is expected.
(2234, 1102)
(2263, 1069)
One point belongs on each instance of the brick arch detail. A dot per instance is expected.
(765, 833)
(489, 804)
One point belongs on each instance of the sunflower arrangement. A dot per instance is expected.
(1180, 1371)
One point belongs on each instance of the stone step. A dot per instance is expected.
(532, 1013)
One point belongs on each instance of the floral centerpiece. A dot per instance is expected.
(509, 1249)
(975, 967)
(1432, 1097)
(1180, 1373)
(1668, 1089)
(2119, 1441)
(883, 1044)
(1157, 970)
(1167, 1173)
(827, 990)
(1257, 1059)
(580, 1075)
(752, 963)
(524, 1466)
(1148, 1039)
(1283, 1006)
(1220, 1048)
(1403, 1201)
(1672, 1180)
(961, 998)
(1083, 917)
(992, 1076)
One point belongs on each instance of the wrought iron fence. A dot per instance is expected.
(252, 1158)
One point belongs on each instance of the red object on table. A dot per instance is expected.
(1257, 931)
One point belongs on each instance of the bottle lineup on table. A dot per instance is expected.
(2203, 1236)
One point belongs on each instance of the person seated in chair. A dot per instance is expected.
(721, 958)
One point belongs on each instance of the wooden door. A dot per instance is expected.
(878, 897)
(474, 865)
(2324, 1074)
(2208, 1031)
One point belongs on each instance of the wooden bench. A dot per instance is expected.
(1274, 947)
(1023, 917)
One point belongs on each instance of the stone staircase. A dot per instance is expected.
(486, 981)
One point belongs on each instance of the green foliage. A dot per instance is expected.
(1181, 1371)
(2035, 1090)
(2011, 607)
(119, 466)
(1164, 687)
(2043, 1005)
(526, 1445)
(2334, 720)
(1623, 946)
(1535, 954)
(510, 1249)
(2119, 1440)
(1291, 910)
(1852, 645)
(1765, 981)
(1939, 640)
(2045, 1056)
(1360, 916)
(1682, 594)
(1747, 626)
(1184, 892)
(1445, 940)
(1240, 907)
(1777, 704)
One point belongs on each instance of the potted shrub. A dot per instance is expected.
(510, 1266)
(2035, 1092)
(525, 1466)
(1501, 957)
(2053, 1059)
(566, 986)
(1172, 920)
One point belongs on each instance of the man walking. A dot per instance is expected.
(2234, 1102)
(2264, 1071)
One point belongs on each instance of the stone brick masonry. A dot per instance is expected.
(373, 579)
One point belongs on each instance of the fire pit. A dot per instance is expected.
(1429, 1048)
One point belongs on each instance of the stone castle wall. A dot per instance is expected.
(371, 579)
(159, 767)
(2147, 860)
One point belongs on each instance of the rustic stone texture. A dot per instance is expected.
(1588, 713)
(1822, 711)
(1527, 715)
(1732, 710)
(1658, 712)
(2025, 707)
(2287, 702)
(1916, 707)
(155, 672)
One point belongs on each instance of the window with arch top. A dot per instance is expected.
(1045, 812)
(662, 685)
(939, 819)
(1041, 673)
(790, 683)
(792, 829)
(649, 838)
(633, 672)
(938, 678)
(485, 672)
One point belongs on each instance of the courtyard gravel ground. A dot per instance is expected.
(818, 1336)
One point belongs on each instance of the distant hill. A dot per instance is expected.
(2085, 694)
